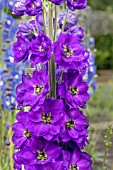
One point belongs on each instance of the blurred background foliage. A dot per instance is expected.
(101, 5)
(104, 41)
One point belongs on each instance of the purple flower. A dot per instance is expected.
(30, 7)
(32, 91)
(79, 31)
(42, 153)
(49, 119)
(27, 30)
(41, 49)
(75, 127)
(57, 2)
(71, 21)
(69, 53)
(74, 90)
(77, 160)
(78, 4)
(19, 8)
(23, 130)
(33, 7)
(21, 49)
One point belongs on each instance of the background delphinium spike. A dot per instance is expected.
(90, 75)
(10, 76)
(51, 129)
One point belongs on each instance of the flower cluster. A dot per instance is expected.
(51, 129)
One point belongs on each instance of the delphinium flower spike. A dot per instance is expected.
(51, 129)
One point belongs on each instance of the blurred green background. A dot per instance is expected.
(104, 39)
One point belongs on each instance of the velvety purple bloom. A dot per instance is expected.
(21, 49)
(23, 130)
(33, 7)
(57, 2)
(42, 153)
(69, 53)
(71, 21)
(30, 7)
(77, 4)
(32, 91)
(41, 49)
(79, 31)
(27, 30)
(74, 90)
(21, 89)
(75, 127)
(19, 8)
(77, 160)
(49, 119)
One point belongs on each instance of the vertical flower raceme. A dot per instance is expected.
(51, 129)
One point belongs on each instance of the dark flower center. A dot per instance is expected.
(70, 124)
(73, 90)
(41, 155)
(74, 167)
(46, 118)
(68, 52)
(27, 133)
(38, 89)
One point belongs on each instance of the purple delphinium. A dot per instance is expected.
(74, 90)
(75, 127)
(21, 49)
(77, 31)
(77, 4)
(77, 160)
(57, 2)
(71, 20)
(32, 91)
(69, 53)
(27, 30)
(19, 8)
(41, 154)
(23, 130)
(41, 49)
(29, 7)
(48, 121)
(51, 129)
(33, 7)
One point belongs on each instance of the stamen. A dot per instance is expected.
(38, 89)
(68, 51)
(70, 124)
(41, 155)
(27, 133)
(46, 118)
(73, 90)
(74, 167)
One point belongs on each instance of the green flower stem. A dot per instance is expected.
(44, 15)
(51, 63)
(105, 156)
(65, 19)
(55, 26)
